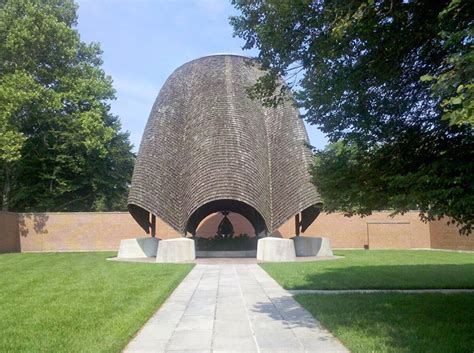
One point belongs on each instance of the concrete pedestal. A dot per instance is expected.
(309, 246)
(137, 248)
(276, 250)
(176, 250)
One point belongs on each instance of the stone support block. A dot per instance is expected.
(176, 250)
(312, 246)
(137, 248)
(276, 249)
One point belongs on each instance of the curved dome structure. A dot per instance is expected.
(208, 147)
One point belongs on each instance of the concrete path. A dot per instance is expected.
(232, 308)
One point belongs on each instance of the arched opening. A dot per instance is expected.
(208, 225)
(247, 211)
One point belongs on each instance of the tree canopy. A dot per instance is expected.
(61, 149)
(391, 84)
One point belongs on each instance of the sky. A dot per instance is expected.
(144, 41)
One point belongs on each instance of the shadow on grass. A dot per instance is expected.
(284, 312)
(402, 276)
(397, 322)
(382, 277)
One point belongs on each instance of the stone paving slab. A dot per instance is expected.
(225, 308)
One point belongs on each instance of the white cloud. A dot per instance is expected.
(138, 89)
(135, 97)
(212, 6)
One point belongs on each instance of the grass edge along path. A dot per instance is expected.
(378, 269)
(396, 322)
(78, 302)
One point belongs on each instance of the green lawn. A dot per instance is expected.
(401, 323)
(378, 269)
(78, 302)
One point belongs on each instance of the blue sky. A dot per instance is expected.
(144, 41)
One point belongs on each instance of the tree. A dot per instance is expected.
(390, 83)
(60, 147)
(454, 84)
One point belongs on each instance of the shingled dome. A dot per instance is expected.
(208, 147)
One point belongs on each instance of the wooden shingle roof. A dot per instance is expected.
(208, 146)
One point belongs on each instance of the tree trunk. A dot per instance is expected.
(6, 189)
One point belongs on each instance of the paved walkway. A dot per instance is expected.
(232, 308)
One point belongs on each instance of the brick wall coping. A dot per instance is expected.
(66, 213)
(122, 212)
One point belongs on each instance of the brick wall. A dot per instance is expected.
(445, 236)
(72, 231)
(9, 240)
(104, 230)
(378, 231)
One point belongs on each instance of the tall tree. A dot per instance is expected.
(391, 84)
(60, 147)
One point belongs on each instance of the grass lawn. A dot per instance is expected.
(78, 302)
(407, 323)
(378, 269)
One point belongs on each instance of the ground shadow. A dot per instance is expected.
(390, 277)
(381, 322)
(285, 312)
(397, 322)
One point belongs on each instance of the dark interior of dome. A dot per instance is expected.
(247, 211)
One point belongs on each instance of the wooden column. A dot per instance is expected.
(297, 225)
(153, 225)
